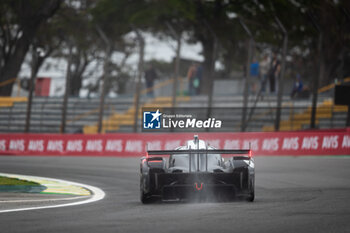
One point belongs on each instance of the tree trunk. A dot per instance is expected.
(207, 65)
(12, 66)
(75, 84)
(80, 64)
(30, 19)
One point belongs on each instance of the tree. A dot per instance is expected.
(19, 22)
(205, 22)
(330, 16)
(82, 37)
(111, 38)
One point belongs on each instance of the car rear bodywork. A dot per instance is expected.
(197, 172)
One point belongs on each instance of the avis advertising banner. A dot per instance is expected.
(327, 142)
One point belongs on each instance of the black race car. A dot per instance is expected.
(197, 171)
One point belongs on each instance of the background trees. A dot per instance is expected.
(19, 23)
(96, 32)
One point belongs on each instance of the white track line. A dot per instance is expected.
(52, 199)
(97, 195)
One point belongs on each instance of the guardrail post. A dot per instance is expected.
(281, 78)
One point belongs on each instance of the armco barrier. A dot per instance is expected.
(325, 142)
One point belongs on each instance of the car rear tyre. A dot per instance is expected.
(251, 197)
(144, 198)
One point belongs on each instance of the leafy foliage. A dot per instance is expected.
(79, 24)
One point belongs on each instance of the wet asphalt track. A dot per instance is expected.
(292, 195)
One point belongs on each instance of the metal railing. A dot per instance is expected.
(82, 112)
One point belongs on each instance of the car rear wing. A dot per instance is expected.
(200, 151)
(237, 154)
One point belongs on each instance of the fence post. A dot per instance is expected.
(66, 92)
(139, 76)
(320, 71)
(281, 78)
(212, 70)
(30, 97)
(177, 62)
(247, 78)
(103, 89)
(105, 73)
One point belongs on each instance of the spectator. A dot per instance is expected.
(297, 87)
(254, 74)
(150, 76)
(191, 77)
(263, 71)
(198, 78)
(273, 73)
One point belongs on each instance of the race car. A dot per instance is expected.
(197, 171)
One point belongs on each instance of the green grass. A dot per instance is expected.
(15, 181)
